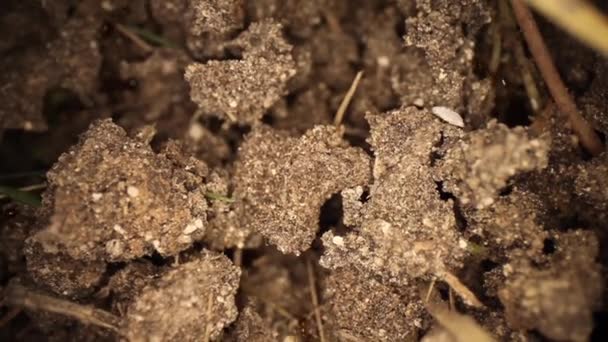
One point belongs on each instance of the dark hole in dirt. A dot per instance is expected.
(517, 112)
(158, 141)
(358, 140)
(364, 196)
(435, 154)
(269, 119)
(4, 275)
(156, 259)
(443, 195)
(331, 213)
(483, 50)
(235, 135)
(488, 265)
(444, 291)
(506, 191)
(600, 331)
(59, 102)
(461, 221)
(548, 246)
(213, 123)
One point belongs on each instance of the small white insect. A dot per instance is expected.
(448, 115)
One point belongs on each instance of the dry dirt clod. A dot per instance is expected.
(513, 221)
(478, 167)
(243, 90)
(445, 31)
(112, 198)
(360, 308)
(175, 306)
(282, 182)
(407, 231)
(558, 299)
(60, 273)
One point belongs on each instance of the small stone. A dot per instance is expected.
(132, 191)
(96, 196)
(338, 241)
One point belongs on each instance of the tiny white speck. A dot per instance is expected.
(462, 244)
(96, 196)
(132, 191)
(232, 104)
(448, 115)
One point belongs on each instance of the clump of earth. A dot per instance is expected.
(174, 170)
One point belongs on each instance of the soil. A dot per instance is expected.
(172, 170)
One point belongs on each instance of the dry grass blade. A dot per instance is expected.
(315, 299)
(347, 98)
(467, 295)
(563, 100)
(133, 37)
(21, 297)
(579, 18)
(462, 328)
(208, 325)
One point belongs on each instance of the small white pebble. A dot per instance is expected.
(462, 243)
(418, 102)
(96, 196)
(448, 115)
(232, 103)
(338, 241)
(198, 223)
(196, 131)
(384, 61)
(132, 191)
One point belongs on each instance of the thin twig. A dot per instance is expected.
(315, 299)
(133, 37)
(28, 188)
(208, 325)
(22, 297)
(467, 295)
(563, 100)
(430, 290)
(347, 98)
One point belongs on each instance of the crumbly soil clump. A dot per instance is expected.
(112, 198)
(210, 170)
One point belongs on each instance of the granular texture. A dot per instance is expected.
(480, 165)
(282, 182)
(114, 199)
(188, 303)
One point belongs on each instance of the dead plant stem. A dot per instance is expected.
(562, 98)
